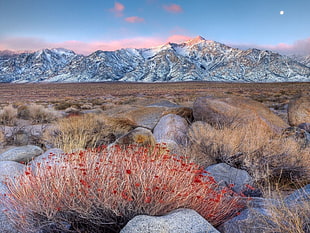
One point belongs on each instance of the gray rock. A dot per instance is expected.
(305, 126)
(178, 221)
(171, 128)
(225, 175)
(146, 117)
(3, 189)
(255, 220)
(21, 154)
(298, 196)
(258, 218)
(52, 156)
(10, 169)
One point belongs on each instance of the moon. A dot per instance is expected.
(281, 12)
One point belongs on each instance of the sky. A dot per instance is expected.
(89, 25)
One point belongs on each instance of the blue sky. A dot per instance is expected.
(89, 25)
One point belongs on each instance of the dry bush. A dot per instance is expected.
(65, 104)
(101, 190)
(8, 115)
(78, 132)
(250, 147)
(23, 112)
(40, 114)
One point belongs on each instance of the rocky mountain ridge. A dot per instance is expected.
(196, 59)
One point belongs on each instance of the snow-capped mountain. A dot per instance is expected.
(302, 59)
(196, 59)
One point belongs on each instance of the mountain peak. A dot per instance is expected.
(196, 40)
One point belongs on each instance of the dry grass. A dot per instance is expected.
(74, 93)
(2, 137)
(86, 131)
(40, 114)
(248, 146)
(78, 132)
(284, 216)
(8, 115)
(101, 190)
(290, 219)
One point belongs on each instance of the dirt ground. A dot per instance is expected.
(270, 93)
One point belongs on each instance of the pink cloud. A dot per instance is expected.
(173, 8)
(33, 44)
(118, 9)
(178, 38)
(134, 19)
(300, 47)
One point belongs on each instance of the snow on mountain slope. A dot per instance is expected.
(196, 59)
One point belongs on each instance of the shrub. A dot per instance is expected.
(64, 105)
(87, 131)
(101, 190)
(40, 114)
(249, 146)
(23, 112)
(8, 115)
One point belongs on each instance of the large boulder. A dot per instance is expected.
(148, 116)
(139, 136)
(226, 175)
(299, 111)
(21, 154)
(171, 129)
(52, 156)
(178, 221)
(10, 169)
(224, 111)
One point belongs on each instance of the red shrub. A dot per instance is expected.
(102, 189)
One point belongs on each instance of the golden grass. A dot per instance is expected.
(290, 219)
(8, 115)
(86, 131)
(76, 132)
(250, 147)
(2, 137)
(40, 114)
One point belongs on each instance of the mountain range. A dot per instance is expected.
(196, 59)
